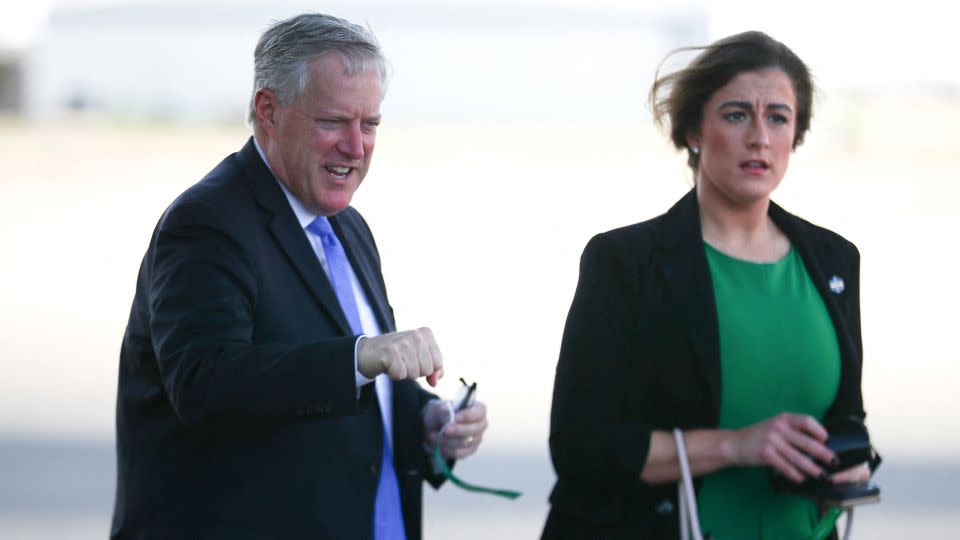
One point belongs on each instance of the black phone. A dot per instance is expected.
(843, 495)
(468, 398)
(849, 440)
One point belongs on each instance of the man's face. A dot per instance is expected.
(320, 145)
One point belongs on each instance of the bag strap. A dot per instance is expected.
(689, 517)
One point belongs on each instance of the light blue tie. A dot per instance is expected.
(387, 512)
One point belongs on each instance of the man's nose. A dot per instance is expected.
(351, 143)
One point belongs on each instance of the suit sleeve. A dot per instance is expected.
(593, 446)
(202, 295)
(426, 458)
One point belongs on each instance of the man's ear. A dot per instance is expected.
(266, 105)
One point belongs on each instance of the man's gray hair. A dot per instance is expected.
(282, 58)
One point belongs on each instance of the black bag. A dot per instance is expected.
(849, 440)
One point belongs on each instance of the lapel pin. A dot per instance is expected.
(836, 285)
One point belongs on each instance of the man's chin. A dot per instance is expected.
(331, 207)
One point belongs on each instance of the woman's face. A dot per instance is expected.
(746, 137)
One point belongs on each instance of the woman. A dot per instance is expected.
(726, 317)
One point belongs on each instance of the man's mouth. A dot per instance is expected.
(339, 172)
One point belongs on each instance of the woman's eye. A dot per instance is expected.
(735, 116)
(778, 119)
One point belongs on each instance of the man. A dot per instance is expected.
(245, 406)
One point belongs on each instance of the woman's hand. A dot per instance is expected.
(790, 443)
(858, 474)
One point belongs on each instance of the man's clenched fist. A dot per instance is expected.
(410, 354)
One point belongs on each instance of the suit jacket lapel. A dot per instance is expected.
(354, 245)
(286, 230)
(687, 276)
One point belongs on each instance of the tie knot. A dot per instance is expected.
(322, 228)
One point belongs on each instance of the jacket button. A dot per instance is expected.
(373, 469)
(665, 507)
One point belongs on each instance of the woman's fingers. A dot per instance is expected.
(790, 443)
(812, 448)
(784, 466)
(859, 474)
(802, 462)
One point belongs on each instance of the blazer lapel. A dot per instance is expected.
(286, 231)
(813, 254)
(687, 276)
(355, 246)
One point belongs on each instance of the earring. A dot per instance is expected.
(695, 150)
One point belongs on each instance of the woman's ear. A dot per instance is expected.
(693, 142)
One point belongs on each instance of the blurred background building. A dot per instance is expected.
(511, 127)
(158, 61)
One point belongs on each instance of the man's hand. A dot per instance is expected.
(401, 355)
(461, 438)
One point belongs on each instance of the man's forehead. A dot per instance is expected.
(335, 63)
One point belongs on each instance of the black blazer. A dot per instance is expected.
(641, 352)
(237, 410)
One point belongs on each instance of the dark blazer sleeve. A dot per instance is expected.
(202, 285)
(592, 445)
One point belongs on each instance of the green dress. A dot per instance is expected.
(778, 353)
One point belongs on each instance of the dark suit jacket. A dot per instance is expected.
(641, 352)
(237, 411)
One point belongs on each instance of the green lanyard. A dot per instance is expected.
(442, 465)
(826, 524)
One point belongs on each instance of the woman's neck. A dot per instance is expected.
(744, 231)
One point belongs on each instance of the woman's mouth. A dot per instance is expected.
(754, 165)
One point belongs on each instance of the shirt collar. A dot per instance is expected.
(304, 216)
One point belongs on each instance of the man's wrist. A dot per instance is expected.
(361, 379)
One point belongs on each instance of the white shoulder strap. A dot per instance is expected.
(689, 518)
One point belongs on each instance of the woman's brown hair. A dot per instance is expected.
(681, 95)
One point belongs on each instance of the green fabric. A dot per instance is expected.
(778, 353)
